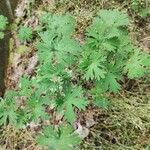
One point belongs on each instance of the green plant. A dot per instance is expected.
(3, 24)
(138, 65)
(62, 138)
(73, 98)
(8, 109)
(103, 60)
(61, 51)
(108, 55)
(52, 86)
(25, 34)
(109, 40)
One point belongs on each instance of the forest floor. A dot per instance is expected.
(123, 126)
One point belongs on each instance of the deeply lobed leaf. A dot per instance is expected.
(59, 139)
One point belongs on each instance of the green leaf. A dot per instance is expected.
(62, 138)
(98, 96)
(50, 77)
(110, 83)
(96, 69)
(73, 99)
(138, 64)
(25, 86)
(8, 109)
(46, 46)
(35, 108)
(59, 48)
(3, 23)
(25, 33)
(114, 17)
(62, 24)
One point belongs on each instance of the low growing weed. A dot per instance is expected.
(103, 60)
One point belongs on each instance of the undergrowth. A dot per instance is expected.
(65, 65)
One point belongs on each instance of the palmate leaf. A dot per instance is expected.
(8, 112)
(8, 109)
(95, 69)
(65, 47)
(59, 48)
(3, 23)
(100, 36)
(110, 83)
(138, 65)
(46, 48)
(36, 110)
(36, 102)
(65, 24)
(25, 86)
(25, 33)
(62, 24)
(50, 77)
(99, 98)
(45, 52)
(114, 17)
(108, 46)
(73, 99)
(34, 106)
(125, 48)
(61, 139)
(113, 76)
(96, 30)
(106, 27)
